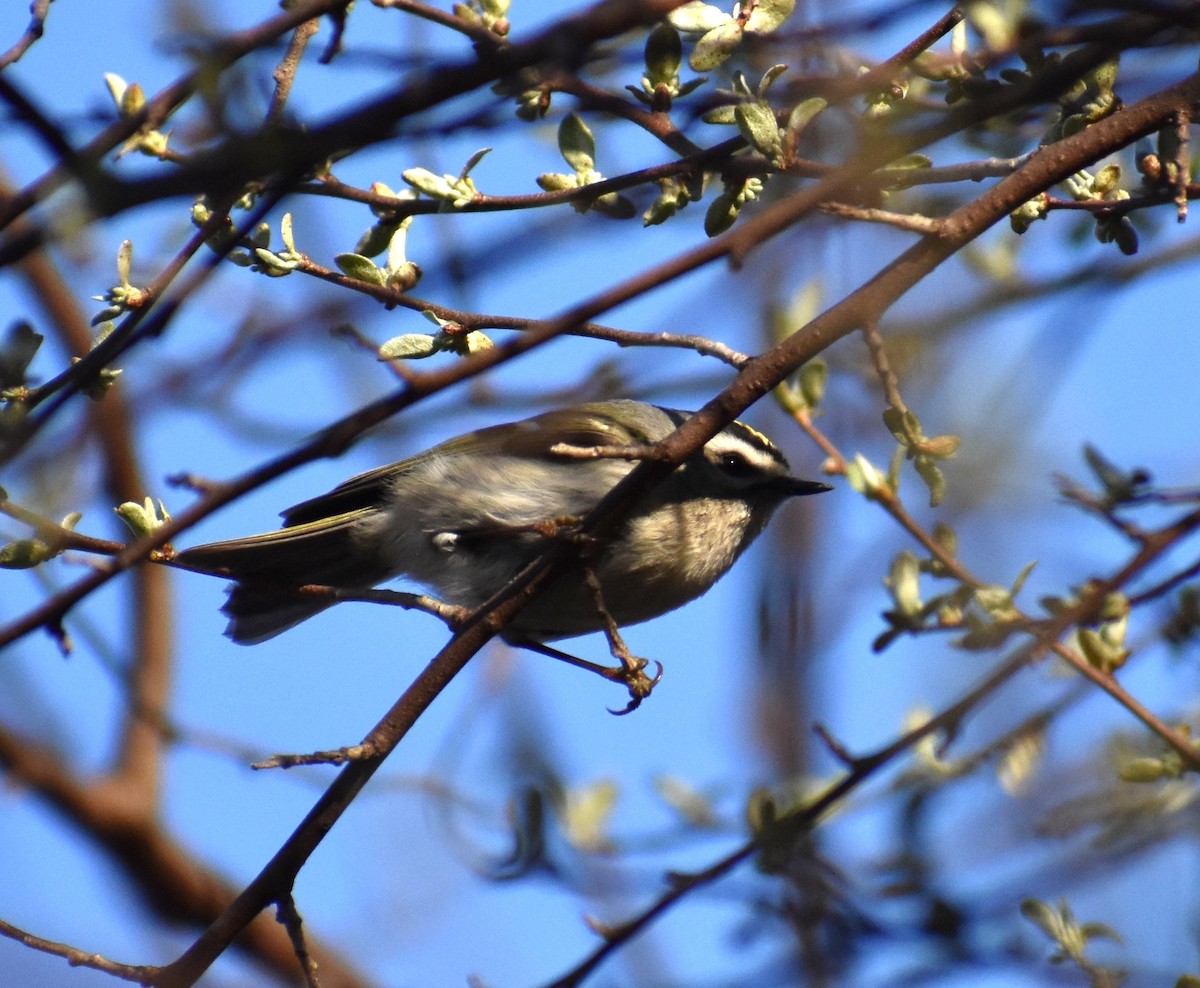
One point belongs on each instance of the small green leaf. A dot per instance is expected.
(124, 262)
(360, 269)
(994, 599)
(1142, 770)
(721, 214)
(423, 180)
(940, 447)
(693, 807)
(116, 87)
(673, 196)
(576, 144)
(260, 236)
(721, 115)
(768, 79)
(716, 46)
(614, 206)
(472, 161)
(863, 476)
(1100, 653)
(903, 581)
(476, 341)
(142, 519)
(285, 233)
(586, 814)
(557, 182)
(410, 346)
(1106, 179)
(768, 15)
(1027, 213)
(17, 351)
(812, 381)
(895, 465)
(756, 123)
(910, 161)
(1020, 761)
(697, 17)
(272, 263)
(762, 810)
(1092, 931)
(376, 240)
(1019, 582)
(25, 554)
(397, 245)
(405, 276)
(133, 100)
(1104, 76)
(664, 54)
(947, 538)
(894, 419)
(1042, 915)
(934, 479)
(386, 191)
(801, 116)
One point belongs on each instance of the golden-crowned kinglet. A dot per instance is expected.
(467, 515)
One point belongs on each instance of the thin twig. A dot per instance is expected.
(476, 32)
(902, 221)
(56, 537)
(38, 11)
(289, 916)
(285, 73)
(137, 973)
(883, 367)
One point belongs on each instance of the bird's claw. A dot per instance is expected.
(637, 682)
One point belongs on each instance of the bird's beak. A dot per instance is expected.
(794, 486)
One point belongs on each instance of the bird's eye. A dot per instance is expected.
(735, 464)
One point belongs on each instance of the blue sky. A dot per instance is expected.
(393, 885)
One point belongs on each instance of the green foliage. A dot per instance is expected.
(1118, 487)
(720, 33)
(29, 553)
(142, 519)
(122, 297)
(724, 210)
(1183, 625)
(578, 149)
(360, 269)
(25, 554)
(450, 337)
(674, 194)
(130, 101)
(586, 815)
(925, 452)
(96, 386)
(693, 807)
(391, 235)
(491, 14)
(19, 347)
(455, 191)
(1070, 937)
(661, 84)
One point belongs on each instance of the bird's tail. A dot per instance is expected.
(268, 569)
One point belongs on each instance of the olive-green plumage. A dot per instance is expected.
(467, 515)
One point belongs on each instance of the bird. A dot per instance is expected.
(465, 516)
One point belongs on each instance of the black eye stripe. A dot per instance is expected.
(740, 431)
(735, 463)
